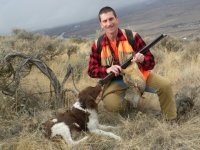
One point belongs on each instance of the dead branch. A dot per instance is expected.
(7, 70)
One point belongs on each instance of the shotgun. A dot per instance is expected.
(128, 61)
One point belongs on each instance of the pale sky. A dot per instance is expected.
(40, 14)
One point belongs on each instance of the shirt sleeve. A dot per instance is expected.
(149, 61)
(95, 70)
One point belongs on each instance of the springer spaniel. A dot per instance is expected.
(81, 117)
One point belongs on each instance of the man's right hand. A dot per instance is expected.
(116, 69)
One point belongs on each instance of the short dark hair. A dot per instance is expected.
(105, 10)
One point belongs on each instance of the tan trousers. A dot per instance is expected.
(114, 92)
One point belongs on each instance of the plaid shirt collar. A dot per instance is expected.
(120, 37)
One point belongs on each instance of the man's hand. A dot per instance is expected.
(116, 69)
(139, 57)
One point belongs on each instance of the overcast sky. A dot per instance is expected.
(39, 14)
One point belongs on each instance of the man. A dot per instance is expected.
(115, 48)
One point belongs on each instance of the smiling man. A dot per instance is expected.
(111, 50)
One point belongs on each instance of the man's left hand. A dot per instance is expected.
(139, 57)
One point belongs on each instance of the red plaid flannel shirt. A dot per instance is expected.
(96, 70)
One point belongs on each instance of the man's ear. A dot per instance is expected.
(101, 25)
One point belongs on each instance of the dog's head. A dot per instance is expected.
(87, 97)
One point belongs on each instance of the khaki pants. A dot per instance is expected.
(114, 92)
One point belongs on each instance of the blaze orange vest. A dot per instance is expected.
(123, 52)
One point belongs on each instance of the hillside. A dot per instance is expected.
(29, 97)
(175, 17)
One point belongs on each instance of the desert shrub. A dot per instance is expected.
(71, 49)
(6, 46)
(77, 40)
(8, 43)
(197, 39)
(32, 43)
(25, 103)
(191, 50)
(23, 45)
(23, 34)
(48, 47)
(158, 55)
(171, 44)
(79, 64)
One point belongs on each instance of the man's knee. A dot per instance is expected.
(113, 102)
(165, 84)
(158, 82)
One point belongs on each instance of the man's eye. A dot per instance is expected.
(111, 19)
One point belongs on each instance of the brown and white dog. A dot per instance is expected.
(81, 117)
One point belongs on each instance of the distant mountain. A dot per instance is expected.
(175, 17)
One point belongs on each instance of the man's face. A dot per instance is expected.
(109, 22)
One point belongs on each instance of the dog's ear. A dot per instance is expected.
(96, 91)
(91, 103)
(87, 97)
(84, 92)
(82, 99)
(87, 101)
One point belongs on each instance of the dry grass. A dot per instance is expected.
(20, 126)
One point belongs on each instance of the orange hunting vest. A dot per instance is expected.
(123, 52)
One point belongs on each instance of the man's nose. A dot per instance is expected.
(109, 23)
